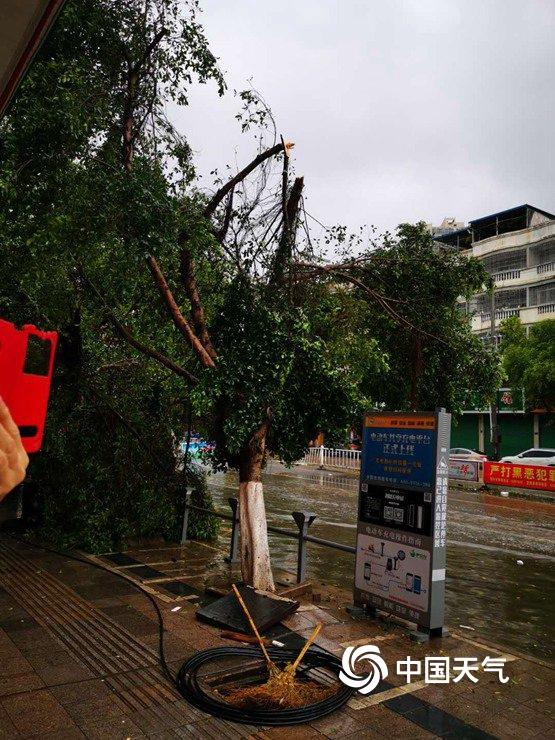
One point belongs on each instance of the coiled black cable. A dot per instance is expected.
(191, 689)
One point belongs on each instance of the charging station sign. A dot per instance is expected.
(401, 531)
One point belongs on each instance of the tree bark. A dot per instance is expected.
(197, 311)
(177, 317)
(128, 116)
(255, 552)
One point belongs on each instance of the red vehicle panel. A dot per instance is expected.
(26, 367)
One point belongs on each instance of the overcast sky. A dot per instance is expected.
(401, 110)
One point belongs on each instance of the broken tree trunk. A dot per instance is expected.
(255, 552)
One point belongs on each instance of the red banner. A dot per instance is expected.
(520, 476)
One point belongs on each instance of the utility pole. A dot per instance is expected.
(494, 410)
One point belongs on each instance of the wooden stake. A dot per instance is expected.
(307, 644)
(271, 664)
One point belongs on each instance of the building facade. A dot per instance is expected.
(517, 247)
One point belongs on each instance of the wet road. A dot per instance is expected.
(487, 590)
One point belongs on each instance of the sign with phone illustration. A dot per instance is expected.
(395, 570)
(402, 516)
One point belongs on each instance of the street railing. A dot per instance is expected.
(303, 520)
(333, 457)
(330, 457)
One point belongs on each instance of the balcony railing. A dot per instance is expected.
(507, 275)
(527, 314)
(546, 267)
(524, 273)
(502, 313)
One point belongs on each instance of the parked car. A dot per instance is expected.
(534, 456)
(462, 453)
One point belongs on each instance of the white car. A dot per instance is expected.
(462, 453)
(534, 456)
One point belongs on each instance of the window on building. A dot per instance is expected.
(542, 294)
(515, 298)
(541, 254)
(505, 261)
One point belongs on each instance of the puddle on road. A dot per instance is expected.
(486, 589)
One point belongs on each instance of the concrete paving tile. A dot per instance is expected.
(134, 622)
(36, 712)
(63, 673)
(188, 732)
(296, 732)
(18, 684)
(70, 693)
(16, 621)
(111, 729)
(504, 728)
(90, 709)
(526, 716)
(67, 733)
(363, 734)
(34, 639)
(8, 730)
(221, 728)
(12, 663)
(153, 719)
(338, 724)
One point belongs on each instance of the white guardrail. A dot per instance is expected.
(332, 457)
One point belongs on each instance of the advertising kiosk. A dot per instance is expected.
(402, 517)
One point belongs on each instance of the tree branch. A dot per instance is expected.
(197, 311)
(177, 317)
(284, 251)
(149, 49)
(220, 194)
(139, 346)
(221, 233)
(334, 271)
(293, 203)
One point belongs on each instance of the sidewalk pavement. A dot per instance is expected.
(78, 658)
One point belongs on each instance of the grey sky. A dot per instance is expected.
(399, 109)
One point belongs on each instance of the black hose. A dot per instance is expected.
(190, 687)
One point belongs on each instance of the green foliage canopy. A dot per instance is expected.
(529, 360)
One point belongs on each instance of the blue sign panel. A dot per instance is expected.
(399, 457)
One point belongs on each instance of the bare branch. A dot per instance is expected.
(177, 317)
(293, 203)
(149, 49)
(284, 185)
(220, 194)
(222, 233)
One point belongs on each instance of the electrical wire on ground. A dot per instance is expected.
(191, 688)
